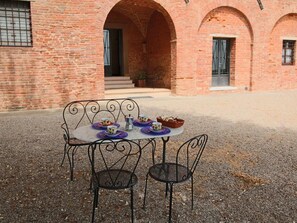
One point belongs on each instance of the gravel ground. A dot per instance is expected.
(248, 172)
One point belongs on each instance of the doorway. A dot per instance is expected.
(113, 52)
(221, 62)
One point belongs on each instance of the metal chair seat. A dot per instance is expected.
(115, 179)
(170, 172)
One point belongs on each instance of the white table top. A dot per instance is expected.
(88, 134)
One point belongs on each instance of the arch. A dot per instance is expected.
(140, 17)
(229, 23)
(245, 19)
(129, 9)
(282, 18)
(281, 76)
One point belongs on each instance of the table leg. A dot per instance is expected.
(165, 140)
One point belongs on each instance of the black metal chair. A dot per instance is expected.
(113, 167)
(187, 159)
(86, 112)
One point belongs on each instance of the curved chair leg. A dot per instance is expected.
(170, 200)
(145, 188)
(91, 159)
(95, 204)
(97, 196)
(192, 187)
(70, 163)
(132, 205)
(71, 160)
(64, 155)
(166, 190)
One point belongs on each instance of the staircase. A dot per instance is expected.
(118, 82)
(137, 92)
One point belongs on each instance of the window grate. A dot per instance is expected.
(15, 23)
(106, 48)
(288, 52)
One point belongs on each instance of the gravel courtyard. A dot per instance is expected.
(248, 172)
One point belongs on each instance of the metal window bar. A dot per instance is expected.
(106, 48)
(288, 52)
(15, 23)
(215, 59)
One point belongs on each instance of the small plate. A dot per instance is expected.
(148, 130)
(112, 135)
(157, 131)
(138, 123)
(99, 126)
(119, 135)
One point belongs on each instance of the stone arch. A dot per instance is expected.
(137, 19)
(281, 76)
(239, 13)
(228, 23)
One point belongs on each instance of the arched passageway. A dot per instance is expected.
(138, 40)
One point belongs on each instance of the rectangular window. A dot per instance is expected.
(15, 23)
(288, 52)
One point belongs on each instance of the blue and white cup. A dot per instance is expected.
(105, 121)
(112, 129)
(157, 126)
(143, 118)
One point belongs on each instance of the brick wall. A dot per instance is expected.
(280, 76)
(66, 60)
(63, 63)
(224, 22)
(158, 52)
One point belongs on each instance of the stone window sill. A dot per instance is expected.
(222, 88)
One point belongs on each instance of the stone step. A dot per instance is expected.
(119, 86)
(137, 92)
(115, 78)
(118, 82)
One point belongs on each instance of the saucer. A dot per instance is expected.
(139, 123)
(100, 126)
(119, 135)
(157, 131)
(112, 135)
(149, 130)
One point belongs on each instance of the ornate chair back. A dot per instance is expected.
(84, 112)
(189, 154)
(181, 170)
(114, 163)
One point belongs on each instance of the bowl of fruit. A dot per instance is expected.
(170, 121)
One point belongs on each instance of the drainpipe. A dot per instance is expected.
(251, 68)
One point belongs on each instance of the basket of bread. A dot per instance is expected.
(170, 121)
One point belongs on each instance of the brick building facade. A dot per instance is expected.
(191, 48)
